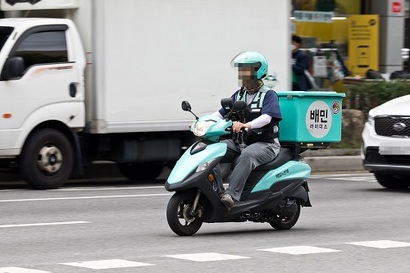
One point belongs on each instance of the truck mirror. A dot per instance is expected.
(13, 69)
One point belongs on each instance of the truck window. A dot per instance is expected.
(43, 48)
(4, 35)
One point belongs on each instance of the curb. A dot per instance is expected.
(335, 163)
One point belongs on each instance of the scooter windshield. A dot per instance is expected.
(4, 35)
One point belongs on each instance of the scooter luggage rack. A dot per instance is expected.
(300, 147)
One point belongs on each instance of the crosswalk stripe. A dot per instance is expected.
(20, 270)
(212, 256)
(300, 250)
(381, 244)
(107, 264)
(206, 257)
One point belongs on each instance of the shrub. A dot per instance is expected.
(367, 95)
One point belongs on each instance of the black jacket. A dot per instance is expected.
(299, 67)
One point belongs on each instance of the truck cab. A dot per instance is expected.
(42, 63)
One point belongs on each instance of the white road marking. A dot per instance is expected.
(85, 197)
(20, 270)
(354, 178)
(109, 188)
(329, 175)
(300, 250)
(107, 264)
(207, 257)
(342, 176)
(381, 244)
(45, 224)
(348, 177)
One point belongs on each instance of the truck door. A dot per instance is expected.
(48, 78)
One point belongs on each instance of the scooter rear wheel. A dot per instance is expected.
(283, 223)
(179, 217)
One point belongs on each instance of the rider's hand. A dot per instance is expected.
(237, 126)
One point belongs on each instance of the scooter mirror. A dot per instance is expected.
(186, 106)
(226, 104)
(239, 105)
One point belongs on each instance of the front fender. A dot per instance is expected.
(189, 162)
(70, 113)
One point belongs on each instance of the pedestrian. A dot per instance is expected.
(260, 143)
(300, 81)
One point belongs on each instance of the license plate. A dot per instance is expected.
(394, 149)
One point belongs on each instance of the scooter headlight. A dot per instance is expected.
(201, 127)
(204, 166)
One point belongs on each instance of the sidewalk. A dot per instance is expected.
(326, 160)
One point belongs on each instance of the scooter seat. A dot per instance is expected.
(284, 156)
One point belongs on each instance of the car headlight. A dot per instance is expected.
(370, 120)
(204, 166)
(370, 117)
(201, 127)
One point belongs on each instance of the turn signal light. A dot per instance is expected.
(7, 115)
(211, 178)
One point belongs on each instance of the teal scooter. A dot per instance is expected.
(274, 192)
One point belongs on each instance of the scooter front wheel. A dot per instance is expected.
(179, 216)
(287, 221)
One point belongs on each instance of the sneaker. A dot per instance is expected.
(227, 200)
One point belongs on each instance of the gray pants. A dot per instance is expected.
(243, 163)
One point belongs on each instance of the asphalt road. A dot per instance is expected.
(355, 225)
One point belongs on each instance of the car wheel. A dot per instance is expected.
(393, 182)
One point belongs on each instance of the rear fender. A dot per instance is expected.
(290, 170)
(301, 195)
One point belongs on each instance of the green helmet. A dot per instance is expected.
(250, 58)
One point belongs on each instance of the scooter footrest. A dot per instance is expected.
(256, 202)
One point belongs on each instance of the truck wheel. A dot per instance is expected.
(47, 159)
(393, 182)
(141, 171)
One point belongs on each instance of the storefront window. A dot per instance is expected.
(340, 7)
(328, 27)
(324, 28)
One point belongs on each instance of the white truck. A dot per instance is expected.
(83, 81)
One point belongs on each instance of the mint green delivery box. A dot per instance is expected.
(312, 118)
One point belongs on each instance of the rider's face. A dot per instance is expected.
(246, 76)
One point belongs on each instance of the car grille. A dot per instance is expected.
(392, 126)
